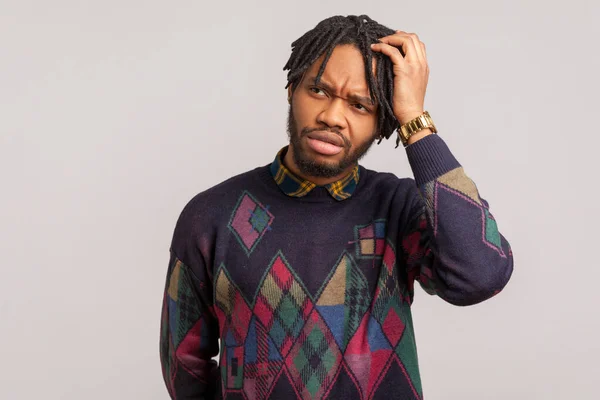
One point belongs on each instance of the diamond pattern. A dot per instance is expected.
(183, 309)
(250, 221)
(394, 376)
(287, 334)
(234, 308)
(234, 311)
(393, 326)
(344, 300)
(457, 184)
(459, 181)
(314, 359)
(388, 307)
(407, 352)
(367, 353)
(491, 229)
(262, 362)
(260, 219)
(282, 305)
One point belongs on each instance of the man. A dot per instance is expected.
(305, 268)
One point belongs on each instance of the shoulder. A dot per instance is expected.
(215, 195)
(388, 182)
(206, 208)
(387, 188)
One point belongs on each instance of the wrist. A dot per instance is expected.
(418, 125)
(419, 135)
(408, 116)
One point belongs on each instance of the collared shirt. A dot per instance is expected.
(295, 186)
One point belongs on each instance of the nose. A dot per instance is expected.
(333, 114)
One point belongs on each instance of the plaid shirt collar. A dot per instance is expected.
(295, 186)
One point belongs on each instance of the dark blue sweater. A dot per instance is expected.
(311, 296)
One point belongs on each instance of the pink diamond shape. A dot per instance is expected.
(393, 327)
(241, 222)
(389, 258)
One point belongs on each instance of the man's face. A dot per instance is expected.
(333, 124)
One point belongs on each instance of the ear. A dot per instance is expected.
(290, 94)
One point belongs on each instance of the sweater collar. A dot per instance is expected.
(294, 186)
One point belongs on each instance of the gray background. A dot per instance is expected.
(113, 114)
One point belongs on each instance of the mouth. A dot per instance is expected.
(325, 143)
(326, 137)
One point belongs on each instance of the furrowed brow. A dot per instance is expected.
(352, 97)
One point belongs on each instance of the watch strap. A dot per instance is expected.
(405, 131)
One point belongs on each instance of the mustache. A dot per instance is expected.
(306, 131)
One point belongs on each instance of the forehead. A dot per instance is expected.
(345, 68)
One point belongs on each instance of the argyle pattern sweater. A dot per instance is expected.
(310, 295)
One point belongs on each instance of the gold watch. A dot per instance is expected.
(414, 125)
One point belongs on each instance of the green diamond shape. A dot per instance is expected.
(315, 338)
(491, 230)
(259, 219)
(328, 359)
(277, 333)
(300, 360)
(313, 385)
(288, 312)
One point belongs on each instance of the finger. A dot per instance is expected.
(405, 42)
(392, 52)
(413, 50)
(417, 42)
(386, 39)
(426, 62)
(418, 46)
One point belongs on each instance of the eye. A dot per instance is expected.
(360, 107)
(316, 90)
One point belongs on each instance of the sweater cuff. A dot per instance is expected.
(430, 158)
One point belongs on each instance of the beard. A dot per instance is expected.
(311, 167)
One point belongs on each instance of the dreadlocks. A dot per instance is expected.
(360, 31)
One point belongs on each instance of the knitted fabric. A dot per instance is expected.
(311, 296)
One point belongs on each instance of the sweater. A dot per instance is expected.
(305, 291)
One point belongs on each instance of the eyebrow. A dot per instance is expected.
(352, 96)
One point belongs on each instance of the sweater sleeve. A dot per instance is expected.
(189, 329)
(451, 244)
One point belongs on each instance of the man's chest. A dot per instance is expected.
(282, 275)
(260, 253)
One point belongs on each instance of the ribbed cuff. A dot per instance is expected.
(430, 158)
